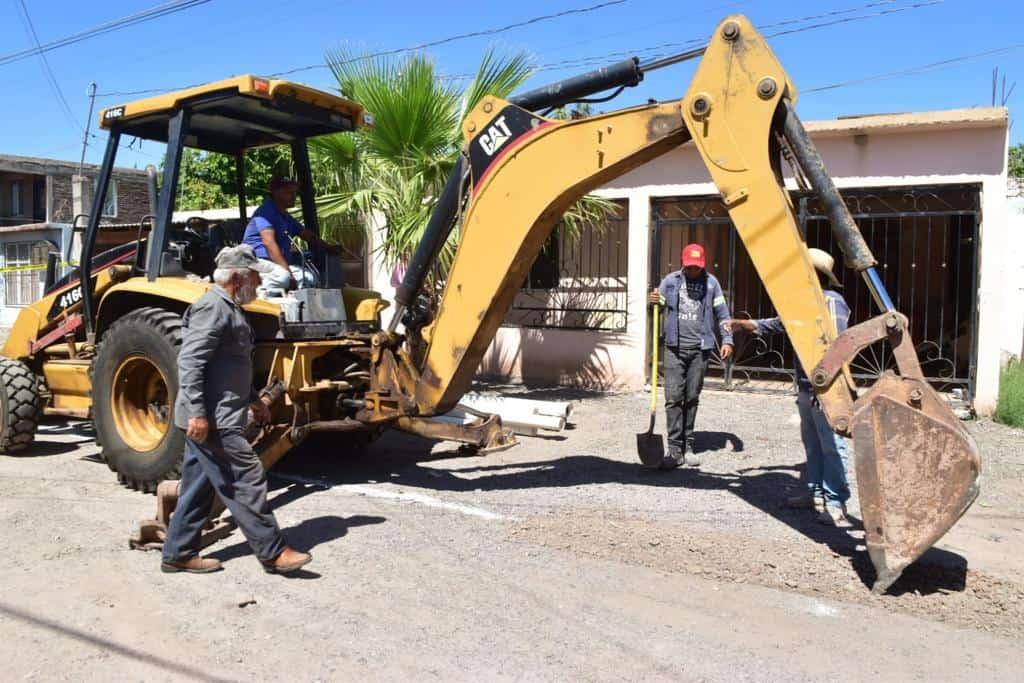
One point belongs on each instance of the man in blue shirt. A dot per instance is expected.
(827, 454)
(694, 307)
(270, 233)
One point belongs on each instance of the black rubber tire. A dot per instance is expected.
(154, 333)
(20, 407)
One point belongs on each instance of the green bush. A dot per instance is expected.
(1010, 409)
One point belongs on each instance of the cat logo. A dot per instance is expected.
(113, 113)
(495, 137)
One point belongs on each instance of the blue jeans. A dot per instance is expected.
(827, 453)
(279, 278)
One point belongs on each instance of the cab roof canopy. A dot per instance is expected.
(236, 114)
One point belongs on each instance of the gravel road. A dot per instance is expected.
(558, 558)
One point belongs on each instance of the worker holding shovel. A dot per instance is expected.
(694, 306)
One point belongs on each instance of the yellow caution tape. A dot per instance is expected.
(38, 266)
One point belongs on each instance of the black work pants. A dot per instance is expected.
(684, 379)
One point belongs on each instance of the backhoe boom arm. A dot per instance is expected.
(519, 172)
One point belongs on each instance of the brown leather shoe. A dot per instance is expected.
(193, 565)
(287, 562)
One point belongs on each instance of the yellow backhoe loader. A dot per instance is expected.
(104, 347)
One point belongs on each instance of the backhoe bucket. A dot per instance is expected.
(917, 471)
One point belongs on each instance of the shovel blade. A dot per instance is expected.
(917, 472)
(651, 449)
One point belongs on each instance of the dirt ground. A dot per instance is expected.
(558, 558)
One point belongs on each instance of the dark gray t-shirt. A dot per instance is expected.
(691, 312)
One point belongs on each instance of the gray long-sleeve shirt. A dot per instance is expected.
(215, 363)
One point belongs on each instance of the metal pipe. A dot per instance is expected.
(673, 59)
(151, 188)
(344, 425)
(85, 260)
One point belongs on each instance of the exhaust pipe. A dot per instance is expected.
(151, 186)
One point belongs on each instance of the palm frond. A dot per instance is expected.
(497, 75)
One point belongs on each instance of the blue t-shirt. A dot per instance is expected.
(285, 228)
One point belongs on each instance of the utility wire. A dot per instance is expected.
(31, 30)
(461, 36)
(910, 71)
(826, 19)
(442, 41)
(660, 50)
(113, 25)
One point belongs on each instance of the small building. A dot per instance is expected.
(929, 192)
(39, 202)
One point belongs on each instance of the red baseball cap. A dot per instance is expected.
(693, 255)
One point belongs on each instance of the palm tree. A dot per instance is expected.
(396, 170)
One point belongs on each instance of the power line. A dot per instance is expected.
(113, 25)
(441, 41)
(910, 71)
(660, 50)
(31, 30)
(828, 17)
(462, 36)
(719, 10)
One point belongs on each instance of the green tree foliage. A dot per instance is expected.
(1016, 167)
(208, 179)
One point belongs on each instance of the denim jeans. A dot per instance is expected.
(827, 453)
(279, 278)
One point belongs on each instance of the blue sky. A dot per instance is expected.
(226, 37)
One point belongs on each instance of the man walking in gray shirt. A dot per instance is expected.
(214, 398)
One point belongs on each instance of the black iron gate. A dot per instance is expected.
(925, 240)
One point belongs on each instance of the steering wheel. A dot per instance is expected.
(194, 225)
(196, 257)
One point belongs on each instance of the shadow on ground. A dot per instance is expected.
(400, 459)
(306, 535)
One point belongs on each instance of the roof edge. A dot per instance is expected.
(945, 119)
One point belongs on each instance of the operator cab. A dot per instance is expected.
(228, 117)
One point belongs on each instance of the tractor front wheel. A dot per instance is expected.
(135, 381)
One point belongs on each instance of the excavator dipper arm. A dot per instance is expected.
(916, 466)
